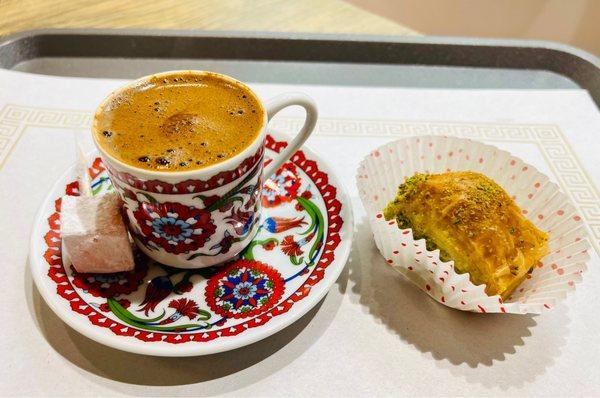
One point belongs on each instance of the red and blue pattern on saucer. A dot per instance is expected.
(302, 245)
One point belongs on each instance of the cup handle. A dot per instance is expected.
(283, 101)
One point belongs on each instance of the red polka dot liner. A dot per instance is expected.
(541, 200)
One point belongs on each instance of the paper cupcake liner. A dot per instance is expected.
(541, 201)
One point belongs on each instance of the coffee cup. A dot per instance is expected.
(197, 215)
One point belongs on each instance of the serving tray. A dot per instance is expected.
(306, 58)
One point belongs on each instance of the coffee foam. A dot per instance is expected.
(179, 121)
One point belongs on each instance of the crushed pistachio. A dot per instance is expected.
(410, 186)
(429, 245)
(403, 221)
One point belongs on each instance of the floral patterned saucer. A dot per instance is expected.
(302, 246)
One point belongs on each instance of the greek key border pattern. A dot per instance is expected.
(549, 139)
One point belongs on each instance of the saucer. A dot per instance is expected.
(300, 250)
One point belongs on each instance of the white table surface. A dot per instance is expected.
(374, 334)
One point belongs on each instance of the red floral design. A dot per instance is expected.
(158, 289)
(244, 289)
(174, 227)
(72, 189)
(269, 245)
(96, 169)
(305, 195)
(183, 287)
(159, 187)
(208, 201)
(110, 285)
(281, 224)
(124, 303)
(290, 247)
(57, 204)
(254, 195)
(57, 273)
(185, 307)
(225, 244)
(190, 186)
(241, 221)
(282, 187)
(129, 194)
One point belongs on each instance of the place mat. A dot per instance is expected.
(554, 130)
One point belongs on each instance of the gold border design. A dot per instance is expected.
(549, 139)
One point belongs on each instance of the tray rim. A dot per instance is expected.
(301, 36)
(306, 36)
(577, 65)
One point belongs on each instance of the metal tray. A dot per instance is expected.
(424, 62)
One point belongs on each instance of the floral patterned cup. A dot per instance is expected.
(199, 218)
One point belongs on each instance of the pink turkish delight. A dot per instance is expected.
(94, 234)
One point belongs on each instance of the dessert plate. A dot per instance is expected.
(300, 250)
